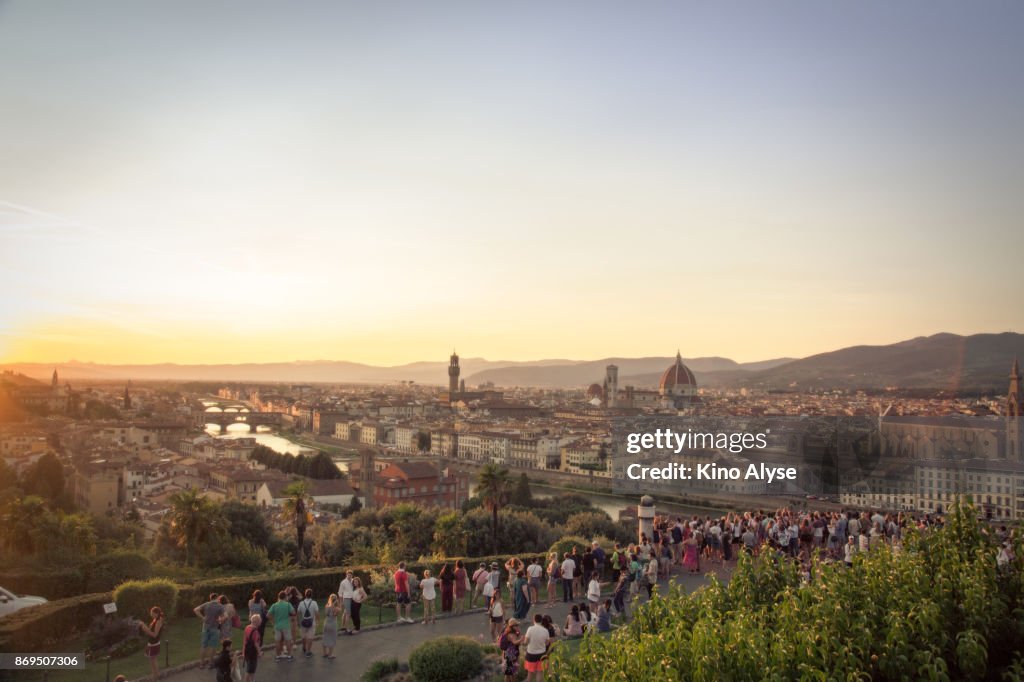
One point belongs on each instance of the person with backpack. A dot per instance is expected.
(509, 643)
(307, 613)
(481, 577)
(252, 646)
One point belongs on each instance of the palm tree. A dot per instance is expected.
(493, 487)
(295, 508)
(194, 520)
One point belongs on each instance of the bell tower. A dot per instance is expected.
(453, 377)
(611, 382)
(1014, 416)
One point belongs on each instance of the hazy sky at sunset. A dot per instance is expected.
(379, 182)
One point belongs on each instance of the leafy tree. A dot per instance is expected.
(592, 524)
(19, 521)
(247, 522)
(8, 477)
(493, 489)
(522, 496)
(353, 506)
(449, 535)
(45, 478)
(423, 441)
(193, 520)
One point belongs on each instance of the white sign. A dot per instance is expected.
(110, 608)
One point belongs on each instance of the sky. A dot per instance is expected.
(208, 182)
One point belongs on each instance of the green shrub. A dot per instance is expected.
(135, 598)
(446, 659)
(567, 543)
(379, 669)
(110, 570)
(40, 627)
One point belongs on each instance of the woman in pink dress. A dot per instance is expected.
(691, 560)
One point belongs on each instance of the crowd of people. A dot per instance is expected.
(508, 593)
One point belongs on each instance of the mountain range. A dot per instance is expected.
(944, 361)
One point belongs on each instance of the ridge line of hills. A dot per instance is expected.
(941, 361)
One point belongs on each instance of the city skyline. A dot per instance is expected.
(195, 184)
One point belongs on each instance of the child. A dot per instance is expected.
(223, 662)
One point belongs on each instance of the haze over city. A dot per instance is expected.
(238, 183)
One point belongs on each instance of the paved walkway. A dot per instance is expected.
(356, 653)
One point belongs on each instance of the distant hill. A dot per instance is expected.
(639, 372)
(946, 361)
(312, 371)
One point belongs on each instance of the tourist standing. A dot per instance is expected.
(224, 660)
(401, 579)
(358, 597)
(568, 571)
(152, 633)
(345, 594)
(228, 623)
(509, 644)
(428, 593)
(283, 615)
(537, 638)
(212, 614)
(258, 606)
(252, 645)
(447, 578)
(481, 577)
(496, 612)
(521, 592)
(599, 559)
(330, 634)
(462, 586)
(533, 575)
(553, 576)
(308, 612)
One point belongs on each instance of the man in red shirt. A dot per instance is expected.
(402, 594)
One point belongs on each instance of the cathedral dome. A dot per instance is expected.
(595, 391)
(677, 375)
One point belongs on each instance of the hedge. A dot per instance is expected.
(39, 627)
(112, 569)
(446, 659)
(322, 581)
(101, 575)
(52, 583)
(135, 598)
(24, 631)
